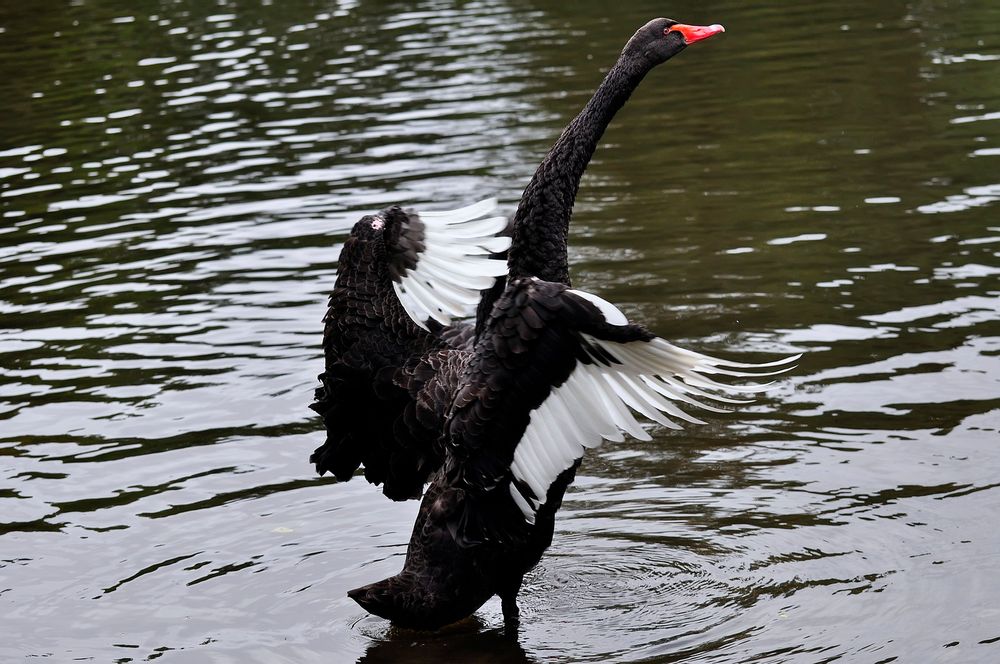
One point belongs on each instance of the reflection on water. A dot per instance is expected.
(175, 183)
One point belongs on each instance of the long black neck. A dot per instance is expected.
(541, 221)
(542, 218)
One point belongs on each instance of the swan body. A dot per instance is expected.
(495, 418)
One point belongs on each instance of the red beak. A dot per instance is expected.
(695, 33)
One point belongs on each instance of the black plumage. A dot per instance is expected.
(418, 400)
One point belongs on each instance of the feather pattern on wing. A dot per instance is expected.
(444, 259)
(611, 383)
(557, 371)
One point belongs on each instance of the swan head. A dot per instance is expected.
(383, 228)
(663, 38)
(383, 245)
(365, 247)
(369, 227)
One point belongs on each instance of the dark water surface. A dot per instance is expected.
(176, 179)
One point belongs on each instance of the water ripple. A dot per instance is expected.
(170, 228)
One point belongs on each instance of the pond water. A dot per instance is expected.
(176, 180)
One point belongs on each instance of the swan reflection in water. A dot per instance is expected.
(469, 641)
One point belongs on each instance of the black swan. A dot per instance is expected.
(504, 416)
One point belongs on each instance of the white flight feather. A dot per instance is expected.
(460, 265)
(531, 468)
(612, 314)
(436, 308)
(462, 214)
(459, 260)
(522, 504)
(430, 269)
(522, 473)
(450, 289)
(552, 460)
(455, 264)
(549, 430)
(588, 407)
(596, 401)
(620, 417)
(680, 395)
(634, 400)
(685, 388)
(469, 230)
(654, 399)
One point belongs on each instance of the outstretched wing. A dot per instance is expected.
(441, 261)
(575, 372)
